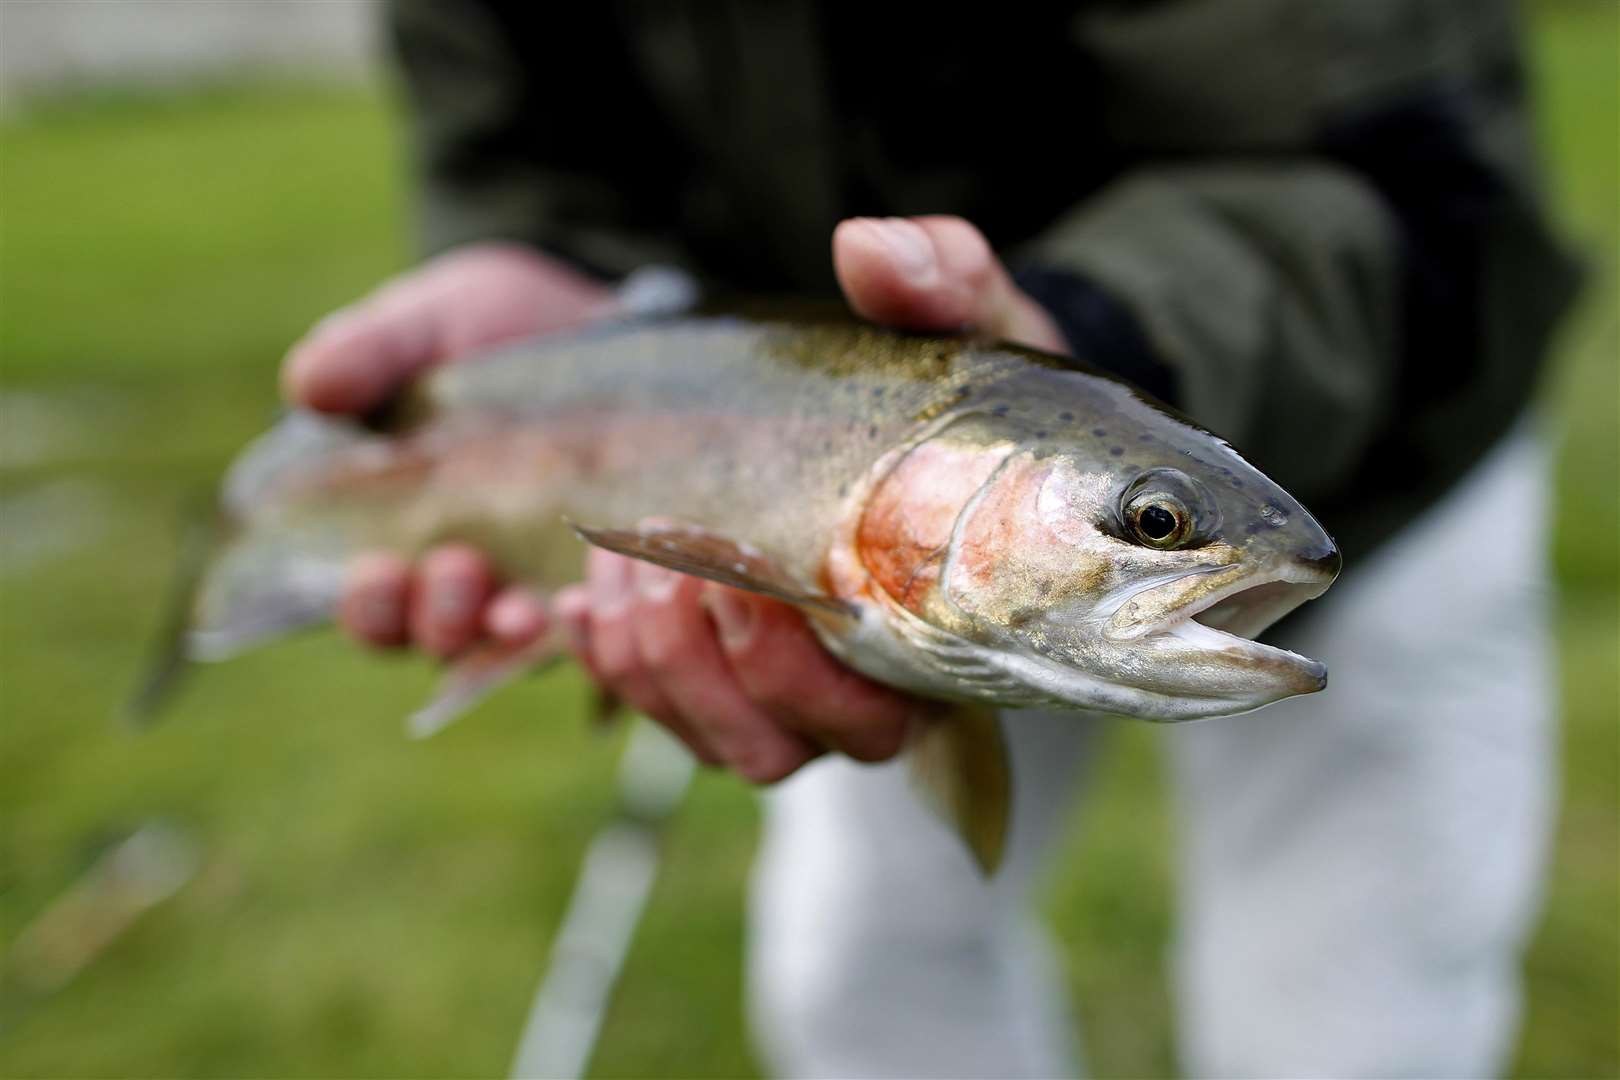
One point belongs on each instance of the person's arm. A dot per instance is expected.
(1324, 243)
(1262, 300)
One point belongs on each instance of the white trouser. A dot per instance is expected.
(1360, 868)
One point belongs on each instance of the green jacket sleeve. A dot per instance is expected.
(1270, 291)
(1325, 226)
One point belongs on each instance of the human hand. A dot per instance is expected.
(349, 362)
(739, 677)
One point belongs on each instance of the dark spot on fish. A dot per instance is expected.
(1116, 451)
(1238, 484)
(871, 432)
(964, 393)
(999, 410)
(1144, 438)
(1099, 432)
(1251, 528)
(843, 489)
(1065, 416)
(877, 391)
(1041, 434)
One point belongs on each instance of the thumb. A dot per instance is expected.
(458, 302)
(352, 359)
(935, 273)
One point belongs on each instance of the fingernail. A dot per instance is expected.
(733, 615)
(517, 614)
(654, 582)
(912, 250)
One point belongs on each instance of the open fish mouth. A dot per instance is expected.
(1219, 613)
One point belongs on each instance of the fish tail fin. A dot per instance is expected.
(260, 588)
(238, 583)
(959, 766)
(233, 590)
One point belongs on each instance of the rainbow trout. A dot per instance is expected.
(975, 522)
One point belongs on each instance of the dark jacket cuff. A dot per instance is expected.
(1098, 328)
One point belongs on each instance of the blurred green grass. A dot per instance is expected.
(372, 906)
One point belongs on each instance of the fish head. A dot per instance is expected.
(1125, 561)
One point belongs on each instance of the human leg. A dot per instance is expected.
(877, 949)
(1361, 868)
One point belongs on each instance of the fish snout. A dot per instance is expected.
(1322, 560)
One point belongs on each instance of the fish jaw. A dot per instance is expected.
(1202, 643)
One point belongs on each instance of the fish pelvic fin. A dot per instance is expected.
(477, 674)
(959, 766)
(692, 550)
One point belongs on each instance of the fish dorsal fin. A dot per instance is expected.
(696, 551)
(959, 765)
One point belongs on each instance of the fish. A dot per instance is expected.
(973, 521)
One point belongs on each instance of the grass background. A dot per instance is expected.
(372, 906)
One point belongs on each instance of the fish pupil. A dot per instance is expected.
(1156, 522)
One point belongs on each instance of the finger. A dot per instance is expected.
(938, 274)
(677, 646)
(456, 303)
(451, 586)
(573, 609)
(783, 668)
(516, 615)
(612, 656)
(352, 360)
(375, 600)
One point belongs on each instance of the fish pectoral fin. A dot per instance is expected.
(477, 674)
(696, 551)
(959, 766)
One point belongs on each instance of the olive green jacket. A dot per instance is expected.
(1316, 218)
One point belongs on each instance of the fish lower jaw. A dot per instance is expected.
(1303, 674)
(1050, 683)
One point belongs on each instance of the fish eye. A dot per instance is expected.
(1158, 519)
